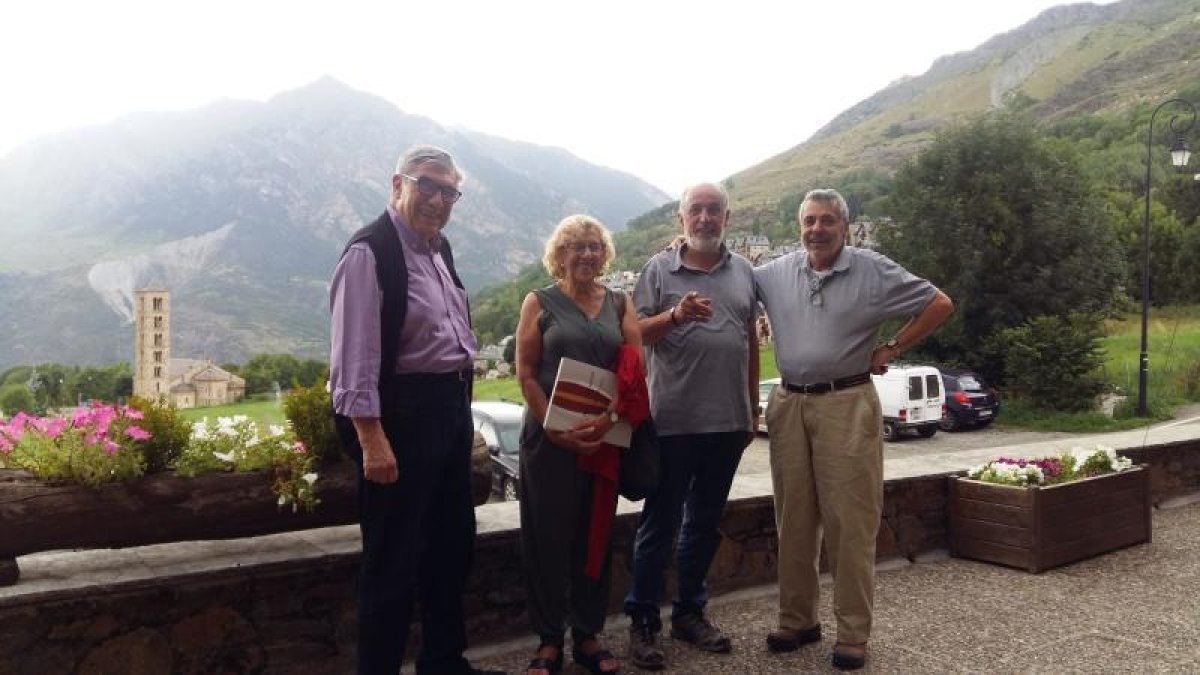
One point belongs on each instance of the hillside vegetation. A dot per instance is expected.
(1088, 75)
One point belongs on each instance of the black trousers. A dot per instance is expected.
(419, 532)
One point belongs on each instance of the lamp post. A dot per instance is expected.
(1179, 157)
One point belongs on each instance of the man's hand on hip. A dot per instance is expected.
(880, 358)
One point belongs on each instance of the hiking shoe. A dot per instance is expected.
(644, 650)
(697, 630)
(849, 656)
(788, 640)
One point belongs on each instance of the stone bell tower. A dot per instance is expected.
(152, 344)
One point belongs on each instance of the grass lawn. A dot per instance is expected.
(267, 411)
(505, 389)
(1173, 344)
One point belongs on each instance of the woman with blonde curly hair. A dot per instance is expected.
(578, 318)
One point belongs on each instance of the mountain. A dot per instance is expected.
(1083, 64)
(241, 209)
(1071, 60)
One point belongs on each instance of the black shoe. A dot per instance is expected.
(697, 630)
(788, 640)
(644, 650)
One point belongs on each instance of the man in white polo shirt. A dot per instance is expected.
(826, 304)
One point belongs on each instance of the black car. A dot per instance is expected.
(969, 401)
(500, 425)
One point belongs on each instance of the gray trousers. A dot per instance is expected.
(556, 506)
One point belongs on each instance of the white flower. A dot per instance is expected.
(310, 477)
(200, 430)
(224, 456)
(275, 430)
(283, 500)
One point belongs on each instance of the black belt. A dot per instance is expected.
(833, 385)
(429, 378)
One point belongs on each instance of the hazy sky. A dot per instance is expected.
(673, 92)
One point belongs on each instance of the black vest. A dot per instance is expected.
(392, 272)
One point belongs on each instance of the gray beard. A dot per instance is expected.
(704, 245)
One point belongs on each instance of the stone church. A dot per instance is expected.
(186, 383)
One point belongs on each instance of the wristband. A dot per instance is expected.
(673, 321)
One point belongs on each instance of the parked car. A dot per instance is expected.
(969, 401)
(911, 398)
(500, 425)
(765, 389)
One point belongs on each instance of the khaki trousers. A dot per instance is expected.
(827, 471)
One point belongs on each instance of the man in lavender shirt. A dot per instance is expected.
(400, 377)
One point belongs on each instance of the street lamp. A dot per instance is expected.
(1179, 158)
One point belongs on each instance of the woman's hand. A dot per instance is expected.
(575, 440)
(593, 428)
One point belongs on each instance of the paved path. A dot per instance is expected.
(1131, 611)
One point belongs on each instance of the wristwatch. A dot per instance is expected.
(893, 344)
(613, 416)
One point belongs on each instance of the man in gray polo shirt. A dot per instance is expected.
(696, 309)
(826, 304)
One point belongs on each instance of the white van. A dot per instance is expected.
(911, 397)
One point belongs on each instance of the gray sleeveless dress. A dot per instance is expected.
(556, 497)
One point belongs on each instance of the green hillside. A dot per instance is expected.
(1090, 74)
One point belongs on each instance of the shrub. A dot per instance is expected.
(1074, 464)
(311, 414)
(1052, 361)
(236, 444)
(94, 445)
(169, 433)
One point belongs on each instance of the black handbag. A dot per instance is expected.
(640, 463)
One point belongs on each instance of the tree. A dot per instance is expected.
(510, 350)
(1009, 225)
(16, 398)
(1052, 361)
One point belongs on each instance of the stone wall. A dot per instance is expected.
(297, 614)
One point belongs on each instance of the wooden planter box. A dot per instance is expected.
(1038, 528)
(36, 516)
(160, 508)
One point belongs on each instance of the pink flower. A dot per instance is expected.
(298, 448)
(132, 413)
(54, 427)
(137, 433)
(110, 448)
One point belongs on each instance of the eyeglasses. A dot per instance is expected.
(585, 247)
(429, 187)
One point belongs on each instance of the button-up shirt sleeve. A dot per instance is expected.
(355, 301)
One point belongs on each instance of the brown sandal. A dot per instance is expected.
(553, 666)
